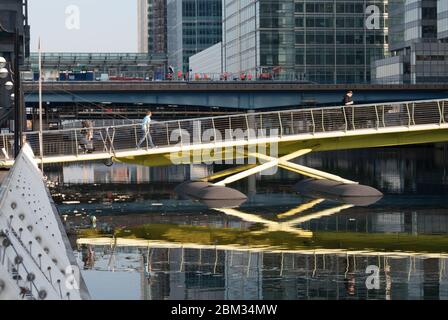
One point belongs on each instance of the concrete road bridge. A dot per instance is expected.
(237, 95)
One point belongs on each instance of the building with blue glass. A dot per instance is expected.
(323, 41)
(192, 26)
(418, 43)
(442, 19)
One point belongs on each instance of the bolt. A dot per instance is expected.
(42, 294)
(18, 260)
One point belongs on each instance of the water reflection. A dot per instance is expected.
(319, 249)
(290, 225)
(416, 169)
(182, 272)
(278, 245)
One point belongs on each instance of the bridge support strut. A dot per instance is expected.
(271, 162)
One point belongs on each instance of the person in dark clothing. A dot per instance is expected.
(349, 112)
(348, 98)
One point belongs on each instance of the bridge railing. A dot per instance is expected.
(247, 126)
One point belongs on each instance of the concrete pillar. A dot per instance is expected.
(252, 185)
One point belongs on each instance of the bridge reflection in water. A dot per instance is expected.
(319, 249)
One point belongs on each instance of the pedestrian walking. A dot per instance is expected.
(86, 141)
(146, 128)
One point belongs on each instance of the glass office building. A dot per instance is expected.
(323, 41)
(419, 52)
(152, 26)
(396, 20)
(442, 18)
(193, 25)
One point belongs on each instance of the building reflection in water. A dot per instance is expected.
(191, 262)
(90, 173)
(271, 248)
(420, 169)
(187, 273)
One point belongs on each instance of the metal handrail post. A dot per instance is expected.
(281, 125)
(181, 135)
(314, 124)
(409, 115)
(353, 118)
(292, 122)
(76, 143)
(345, 119)
(214, 130)
(168, 135)
(323, 123)
(247, 126)
(377, 117)
(413, 113)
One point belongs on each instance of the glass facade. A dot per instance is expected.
(152, 24)
(207, 62)
(158, 27)
(396, 24)
(324, 41)
(337, 40)
(193, 25)
(420, 20)
(418, 55)
(429, 62)
(442, 16)
(240, 36)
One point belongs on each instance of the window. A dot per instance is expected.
(299, 7)
(310, 7)
(310, 22)
(340, 23)
(300, 38)
(340, 8)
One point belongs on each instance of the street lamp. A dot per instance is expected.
(3, 73)
(9, 85)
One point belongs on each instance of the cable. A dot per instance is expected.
(89, 102)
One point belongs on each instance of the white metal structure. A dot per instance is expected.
(36, 260)
(413, 120)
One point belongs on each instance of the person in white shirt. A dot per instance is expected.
(146, 126)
